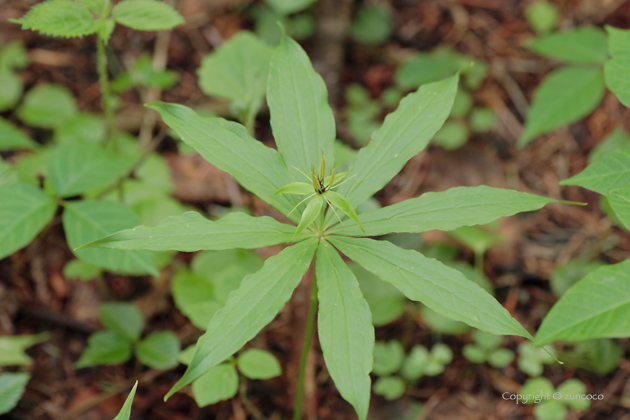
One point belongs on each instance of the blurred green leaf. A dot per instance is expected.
(47, 106)
(610, 172)
(11, 138)
(83, 127)
(451, 136)
(159, 350)
(11, 88)
(12, 348)
(462, 104)
(617, 69)
(415, 363)
(258, 364)
(577, 45)
(566, 275)
(80, 269)
(122, 318)
(388, 357)
(218, 384)
(482, 120)
(146, 15)
(390, 387)
(12, 386)
(542, 16)
(616, 140)
(372, 24)
(105, 348)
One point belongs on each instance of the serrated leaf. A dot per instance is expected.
(125, 411)
(617, 69)
(75, 168)
(105, 348)
(345, 328)
(12, 348)
(192, 232)
(604, 175)
(301, 119)
(447, 210)
(86, 221)
(47, 106)
(11, 138)
(258, 364)
(249, 308)
(146, 15)
(24, 211)
(159, 350)
(64, 18)
(441, 288)
(597, 306)
(619, 201)
(123, 318)
(12, 386)
(578, 45)
(405, 133)
(218, 384)
(564, 97)
(224, 73)
(229, 147)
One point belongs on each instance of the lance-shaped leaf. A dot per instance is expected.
(146, 15)
(24, 211)
(248, 309)
(404, 133)
(441, 288)
(596, 306)
(86, 221)
(192, 232)
(447, 210)
(341, 203)
(296, 188)
(302, 121)
(229, 147)
(619, 201)
(59, 18)
(617, 69)
(345, 328)
(310, 213)
(604, 175)
(125, 411)
(564, 97)
(579, 45)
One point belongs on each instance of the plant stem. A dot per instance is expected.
(308, 335)
(105, 92)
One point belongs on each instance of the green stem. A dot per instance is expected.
(308, 335)
(105, 92)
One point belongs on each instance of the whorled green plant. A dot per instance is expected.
(304, 130)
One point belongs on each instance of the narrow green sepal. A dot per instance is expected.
(295, 188)
(310, 214)
(341, 203)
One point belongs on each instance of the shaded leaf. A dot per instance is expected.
(122, 318)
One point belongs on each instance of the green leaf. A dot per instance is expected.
(572, 389)
(81, 270)
(217, 384)
(14, 56)
(125, 411)
(619, 201)
(597, 306)
(616, 140)
(564, 97)
(482, 120)
(617, 69)
(447, 210)
(341, 203)
(301, 119)
(391, 387)
(542, 16)
(441, 288)
(146, 15)
(311, 213)
(248, 309)
(229, 147)
(105, 348)
(258, 364)
(604, 175)
(122, 318)
(24, 211)
(11, 88)
(59, 18)
(159, 350)
(97, 6)
(76, 168)
(192, 232)
(12, 386)
(47, 106)
(12, 348)
(500, 358)
(224, 73)
(452, 135)
(415, 363)
(566, 275)
(83, 127)
(301, 188)
(405, 133)
(194, 296)
(474, 354)
(550, 410)
(8, 174)
(287, 7)
(373, 24)
(477, 239)
(88, 220)
(385, 301)
(429, 67)
(388, 357)
(11, 138)
(578, 45)
(345, 328)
